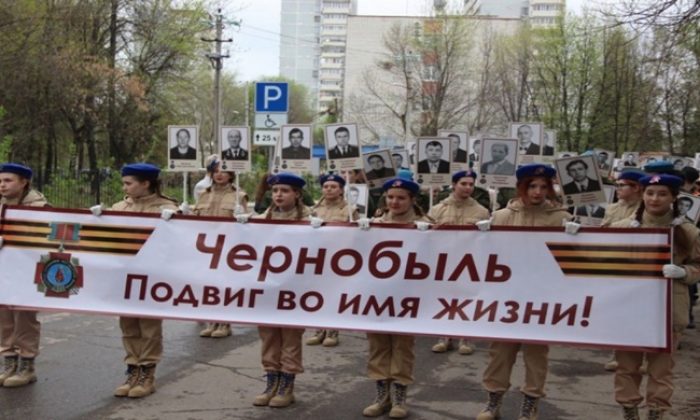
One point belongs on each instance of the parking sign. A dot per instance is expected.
(271, 97)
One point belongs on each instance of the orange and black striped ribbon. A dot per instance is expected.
(611, 260)
(121, 240)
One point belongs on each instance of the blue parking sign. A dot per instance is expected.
(271, 97)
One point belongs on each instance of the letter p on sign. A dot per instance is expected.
(271, 97)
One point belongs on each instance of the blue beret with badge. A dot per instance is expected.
(143, 170)
(659, 167)
(286, 178)
(535, 169)
(405, 174)
(662, 179)
(464, 174)
(406, 184)
(332, 177)
(17, 169)
(631, 175)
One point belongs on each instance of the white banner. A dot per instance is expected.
(597, 288)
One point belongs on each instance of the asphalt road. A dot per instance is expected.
(81, 364)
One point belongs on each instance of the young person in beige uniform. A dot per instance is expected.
(220, 199)
(458, 209)
(19, 330)
(332, 207)
(142, 337)
(533, 207)
(629, 195)
(281, 347)
(392, 356)
(658, 209)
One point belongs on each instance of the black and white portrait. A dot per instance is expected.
(498, 157)
(411, 148)
(689, 207)
(433, 156)
(458, 143)
(341, 141)
(378, 166)
(182, 143)
(356, 196)
(549, 140)
(697, 161)
(630, 159)
(474, 150)
(580, 176)
(234, 143)
(296, 142)
(400, 158)
(605, 161)
(529, 137)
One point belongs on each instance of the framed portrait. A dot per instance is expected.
(400, 158)
(549, 142)
(529, 137)
(680, 162)
(499, 161)
(183, 148)
(474, 151)
(379, 167)
(433, 167)
(342, 147)
(630, 160)
(590, 214)
(235, 148)
(356, 196)
(411, 149)
(689, 207)
(459, 156)
(295, 148)
(650, 157)
(580, 180)
(605, 160)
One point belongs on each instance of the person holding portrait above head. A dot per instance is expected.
(578, 170)
(458, 155)
(332, 207)
(19, 330)
(378, 171)
(343, 148)
(527, 146)
(281, 347)
(458, 209)
(183, 150)
(142, 337)
(219, 200)
(234, 151)
(296, 149)
(392, 356)
(659, 209)
(498, 165)
(433, 163)
(533, 207)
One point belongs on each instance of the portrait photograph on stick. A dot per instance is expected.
(459, 157)
(580, 180)
(183, 148)
(499, 160)
(379, 167)
(235, 148)
(342, 147)
(433, 161)
(295, 149)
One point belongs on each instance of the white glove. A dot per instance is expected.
(185, 208)
(422, 226)
(96, 210)
(316, 222)
(484, 225)
(167, 214)
(571, 227)
(364, 223)
(238, 210)
(2, 241)
(673, 271)
(635, 224)
(242, 218)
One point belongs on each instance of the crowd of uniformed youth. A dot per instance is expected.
(645, 199)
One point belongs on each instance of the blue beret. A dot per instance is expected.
(659, 167)
(405, 174)
(406, 184)
(332, 177)
(464, 174)
(633, 175)
(16, 168)
(535, 169)
(662, 179)
(287, 179)
(145, 170)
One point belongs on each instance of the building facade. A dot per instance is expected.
(543, 13)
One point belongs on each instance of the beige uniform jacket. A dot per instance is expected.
(219, 201)
(452, 211)
(333, 212)
(33, 199)
(407, 218)
(689, 260)
(152, 203)
(284, 215)
(619, 211)
(517, 214)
